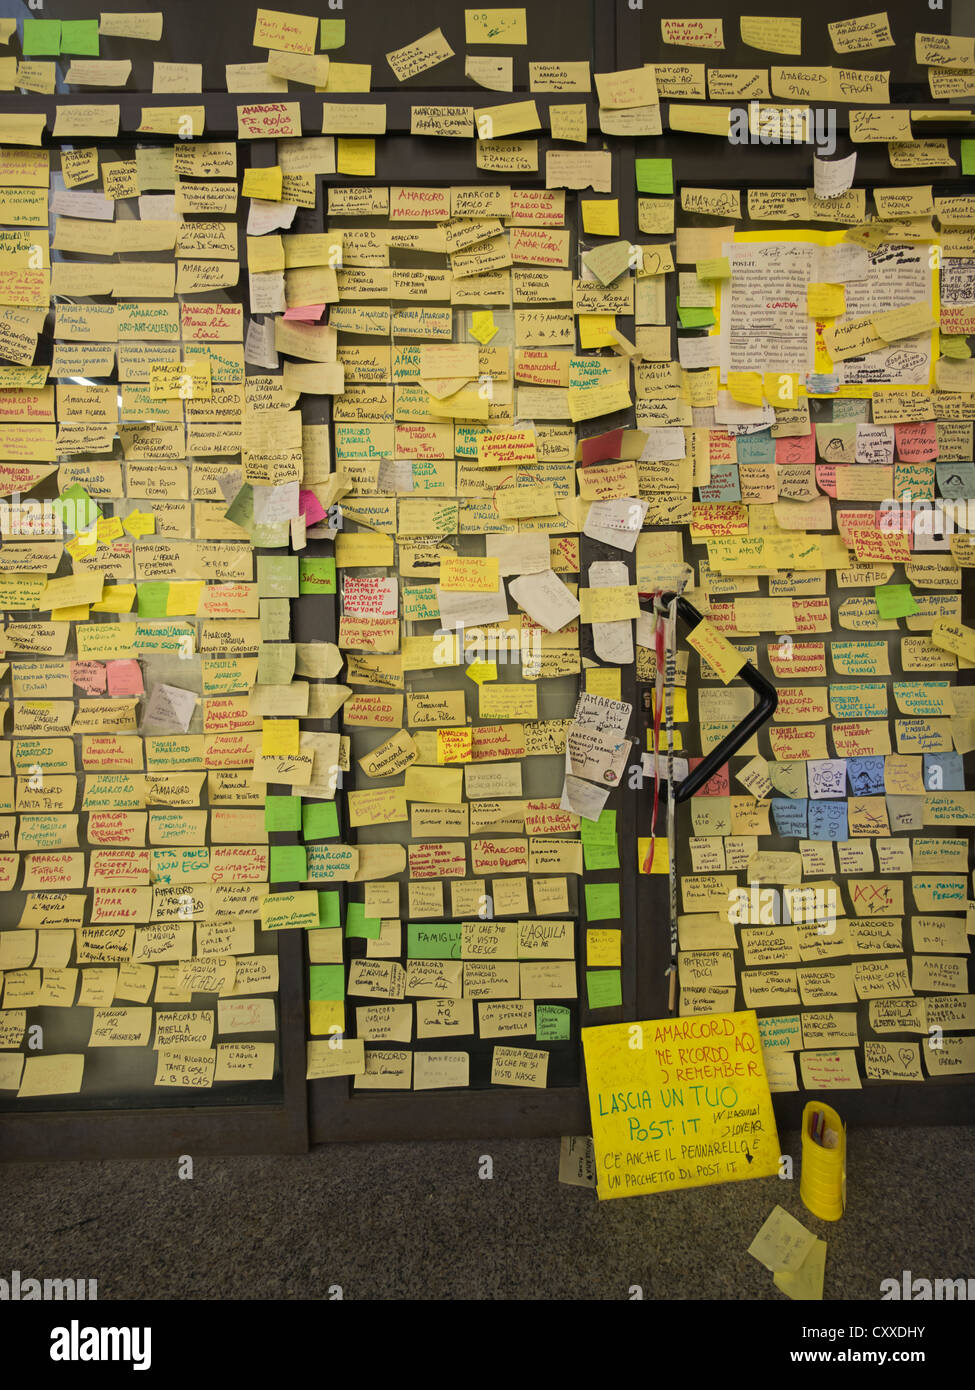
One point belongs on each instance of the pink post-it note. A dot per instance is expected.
(826, 478)
(309, 506)
(89, 676)
(917, 442)
(796, 449)
(305, 313)
(125, 677)
(602, 446)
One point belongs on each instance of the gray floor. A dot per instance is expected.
(414, 1221)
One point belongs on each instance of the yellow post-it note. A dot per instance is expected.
(746, 387)
(58, 1074)
(660, 863)
(263, 183)
(954, 637)
(783, 1243)
(724, 659)
(825, 301)
(611, 604)
(604, 680)
(279, 738)
(480, 671)
(496, 26)
(281, 31)
(806, 1283)
(601, 216)
(455, 745)
(596, 330)
(603, 946)
(140, 524)
(781, 389)
(627, 1161)
(717, 268)
(483, 327)
(356, 157)
(472, 573)
(183, 597)
(771, 35)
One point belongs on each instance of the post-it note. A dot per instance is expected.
(604, 989)
(895, 600)
(655, 176)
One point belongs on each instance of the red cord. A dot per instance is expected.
(658, 704)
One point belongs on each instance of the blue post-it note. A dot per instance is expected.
(866, 776)
(791, 817)
(655, 176)
(944, 772)
(828, 820)
(755, 448)
(725, 484)
(956, 480)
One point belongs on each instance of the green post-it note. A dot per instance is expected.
(954, 345)
(599, 856)
(316, 573)
(77, 511)
(655, 176)
(153, 595)
(601, 831)
(602, 901)
(333, 33)
(599, 845)
(694, 318)
(329, 908)
(275, 619)
(319, 820)
(277, 576)
(289, 864)
(968, 156)
(326, 982)
(80, 36)
(604, 989)
(895, 600)
(433, 940)
(608, 262)
(270, 535)
(551, 1023)
(276, 663)
(241, 509)
(358, 924)
(282, 813)
(42, 38)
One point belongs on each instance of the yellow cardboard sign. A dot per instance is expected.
(679, 1102)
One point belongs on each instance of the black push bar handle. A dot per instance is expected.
(767, 702)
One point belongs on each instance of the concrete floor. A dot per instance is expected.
(414, 1221)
